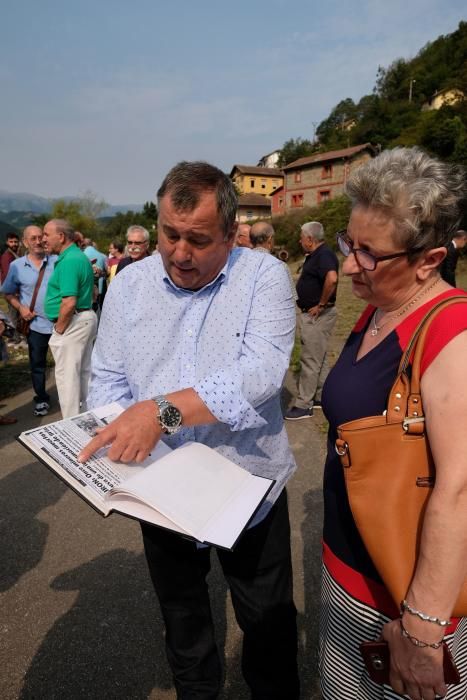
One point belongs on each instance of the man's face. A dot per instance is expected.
(52, 239)
(137, 246)
(307, 243)
(12, 243)
(33, 237)
(192, 243)
(243, 236)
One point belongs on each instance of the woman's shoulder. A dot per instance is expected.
(451, 321)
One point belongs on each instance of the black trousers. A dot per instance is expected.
(259, 575)
(38, 344)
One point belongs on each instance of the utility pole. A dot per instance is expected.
(411, 82)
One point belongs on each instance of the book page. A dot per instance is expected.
(191, 486)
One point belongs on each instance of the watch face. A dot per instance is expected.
(171, 417)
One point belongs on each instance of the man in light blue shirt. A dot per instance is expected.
(196, 341)
(18, 288)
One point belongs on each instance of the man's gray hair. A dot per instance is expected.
(313, 229)
(422, 195)
(139, 229)
(261, 233)
(64, 226)
(187, 181)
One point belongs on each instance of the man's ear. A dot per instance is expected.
(430, 260)
(232, 234)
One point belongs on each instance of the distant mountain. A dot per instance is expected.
(23, 201)
(18, 219)
(13, 203)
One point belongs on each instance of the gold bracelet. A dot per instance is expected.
(418, 642)
(405, 607)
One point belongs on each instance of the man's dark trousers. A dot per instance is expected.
(259, 574)
(38, 344)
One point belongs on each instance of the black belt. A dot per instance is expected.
(326, 306)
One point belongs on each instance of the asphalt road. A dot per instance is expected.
(78, 615)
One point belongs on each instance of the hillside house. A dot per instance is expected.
(449, 96)
(253, 206)
(317, 178)
(254, 180)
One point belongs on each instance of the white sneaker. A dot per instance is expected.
(41, 409)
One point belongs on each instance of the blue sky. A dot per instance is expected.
(108, 95)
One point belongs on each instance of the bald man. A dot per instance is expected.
(18, 287)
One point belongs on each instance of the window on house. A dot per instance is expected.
(298, 176)
(274, 184)
(249, 215)
(297, 200)
(324, 195)
(326, 171)
(252, 183)
(263, 184)
(281, 202)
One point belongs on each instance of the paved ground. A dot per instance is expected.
(78, 617)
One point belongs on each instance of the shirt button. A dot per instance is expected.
(190, 332)
(187, 366)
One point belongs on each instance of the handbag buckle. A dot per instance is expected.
(407, 422)
(342, 448)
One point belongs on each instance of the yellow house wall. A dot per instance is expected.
(270, 183)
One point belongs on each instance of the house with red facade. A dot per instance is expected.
(317, 178)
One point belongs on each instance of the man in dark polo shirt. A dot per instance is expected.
(316, 289)
(68, 303)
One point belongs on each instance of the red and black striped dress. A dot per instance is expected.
(355, 604)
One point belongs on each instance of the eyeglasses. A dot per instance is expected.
(366, 260)
(136, 242)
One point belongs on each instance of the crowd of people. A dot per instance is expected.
(195, 342)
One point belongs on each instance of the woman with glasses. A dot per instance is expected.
(405, 208)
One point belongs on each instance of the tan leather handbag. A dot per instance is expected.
(389, 472)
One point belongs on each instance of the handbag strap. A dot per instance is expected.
(405, 400)
(38, 284)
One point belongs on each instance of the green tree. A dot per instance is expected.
(82, 212)
(293, 149)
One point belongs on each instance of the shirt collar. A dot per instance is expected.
(221, 275)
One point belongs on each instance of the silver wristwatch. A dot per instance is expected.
(170, 417)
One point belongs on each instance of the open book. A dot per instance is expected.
(192, 490)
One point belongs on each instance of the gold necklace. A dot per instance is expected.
(375, 330)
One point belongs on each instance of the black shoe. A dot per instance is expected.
(296, 413)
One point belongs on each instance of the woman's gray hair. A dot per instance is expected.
(421, 194)
(140, 229)
(187, 181)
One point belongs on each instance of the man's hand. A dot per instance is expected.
(26, 313)
(314, 312)
(415, 671)
(130, 437)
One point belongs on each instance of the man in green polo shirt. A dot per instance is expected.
(68, 302)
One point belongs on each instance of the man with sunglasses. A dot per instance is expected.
(316, 289)
(137, 243)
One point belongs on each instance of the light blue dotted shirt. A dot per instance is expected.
(230, 341)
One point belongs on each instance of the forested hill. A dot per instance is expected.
(392, 115)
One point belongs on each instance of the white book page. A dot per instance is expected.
(226, 528)
(190, 486)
